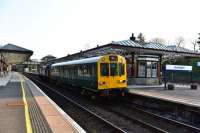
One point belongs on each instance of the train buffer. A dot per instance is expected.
(24, 108)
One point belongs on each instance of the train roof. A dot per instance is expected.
(81, 61)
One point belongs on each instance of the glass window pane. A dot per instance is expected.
(148, 69)
(113, 69)
(104, 69)
(141, 69)
(121, 69)
(154, 69)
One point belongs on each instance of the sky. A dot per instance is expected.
(61, 27)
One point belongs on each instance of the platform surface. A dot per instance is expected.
(5, 79)
(12, 119)
(25, 108)
(182, 94)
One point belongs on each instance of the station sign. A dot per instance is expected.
(179, 67)
(113, 58)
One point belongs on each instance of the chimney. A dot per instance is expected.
(132, 37)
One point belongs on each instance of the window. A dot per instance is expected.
(154, 69)
(147, 69)
(66, 72)
(104, 69)
(80, 71)
(142, 69)
(121, 69)
(87, 70)
(113, 69)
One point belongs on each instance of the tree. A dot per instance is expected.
(141, 38)
(194, 43)
(180, 41)
(198, 41)
(158, 41)
(86, 46)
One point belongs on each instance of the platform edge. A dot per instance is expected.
(73, 124)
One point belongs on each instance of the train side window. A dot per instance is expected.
(104, 69)
(113, 69)
(121, 69)
(80, 72)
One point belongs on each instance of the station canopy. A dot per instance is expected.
(132, 47)
(12, 54)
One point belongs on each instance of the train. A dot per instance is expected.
(97, 76)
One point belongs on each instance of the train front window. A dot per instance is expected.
(121, 69)
(113, 69)
(104, 69)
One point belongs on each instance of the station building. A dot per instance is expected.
(11, 54)
(144, 60)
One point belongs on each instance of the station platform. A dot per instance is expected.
(181, 94)
(24, 108)
(5, 79)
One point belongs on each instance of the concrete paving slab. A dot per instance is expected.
(4, 80)
(12, 119)
(182, 94)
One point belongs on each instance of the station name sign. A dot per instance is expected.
(179, 67)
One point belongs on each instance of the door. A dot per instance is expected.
(114, 76)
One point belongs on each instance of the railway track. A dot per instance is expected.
(180, 126)
(121, 127)
(100, 124)
(176, 111)
(147, 120)
(152, 120)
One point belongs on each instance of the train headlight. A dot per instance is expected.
(102, 83)
(122, 81)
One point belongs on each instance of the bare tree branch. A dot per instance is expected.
(141, 38)
(158, 41)
(180, 41)
(194, 43)
(86, 46)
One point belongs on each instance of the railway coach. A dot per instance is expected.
(99, 76)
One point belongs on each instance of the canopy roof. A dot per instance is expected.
(130, 47)
(154, 46)
(12, 54)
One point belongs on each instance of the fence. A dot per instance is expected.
(182, 77)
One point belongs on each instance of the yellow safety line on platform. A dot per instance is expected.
(27, 117)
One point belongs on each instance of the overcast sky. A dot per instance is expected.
(59, 27)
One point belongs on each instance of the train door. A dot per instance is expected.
(117, 75)
(108, 75)
(114, 77)
(104, 80)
